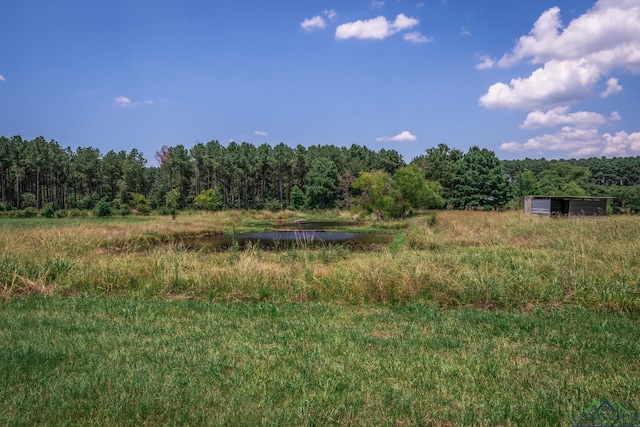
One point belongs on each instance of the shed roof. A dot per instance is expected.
(572, 197)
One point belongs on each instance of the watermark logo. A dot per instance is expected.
(606, 414)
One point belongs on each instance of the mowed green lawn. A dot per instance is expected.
(125, 361)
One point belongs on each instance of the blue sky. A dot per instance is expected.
(553, 79)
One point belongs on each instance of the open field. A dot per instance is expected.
(125, 361)
(486, 260)
(466, 318)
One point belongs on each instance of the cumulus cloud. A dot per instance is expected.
(315, 23)
(404, 136)
(416, 37)
(559, 116)
(581, 143)
(573, 58)
(556, 83)
(572, 63)
(123, 101)
(605, 35)
(612, 88)
(2, 79)
(376, 28)
(260, 133)
(487, 62)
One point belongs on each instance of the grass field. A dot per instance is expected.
(467, 318)
(124, 361)
(487, 260)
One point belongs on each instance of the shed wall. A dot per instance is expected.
(588, 207)
(541, 207)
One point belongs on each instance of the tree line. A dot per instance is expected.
(37, 174)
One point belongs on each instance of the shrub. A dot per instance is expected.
(48, 211)
(28, 200)
(29, 212)
(103, 209)
(77, 213)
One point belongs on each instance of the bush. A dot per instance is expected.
(77, 213)
(29, 212)
(48, 211)
(28, 200)
(103, 209)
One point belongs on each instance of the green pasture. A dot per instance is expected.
(125, 361)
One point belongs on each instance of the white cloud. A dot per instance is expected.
(260, 133)
(557, 83)
(330, 13)
(574, 58)
(2, 79)
(601, 35)
(612, 88)
(581, 143)
(559, 117)
(416, 37)
(123, 101)
(421, 4)
(315, 23)
(403, 136)
(487, 62)
(376, 4)
(403, 22)
(465, 31)
(376, 28)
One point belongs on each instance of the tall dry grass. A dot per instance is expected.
(484, 259)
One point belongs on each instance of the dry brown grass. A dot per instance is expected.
(485, 259)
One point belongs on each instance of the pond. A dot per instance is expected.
(298, 235)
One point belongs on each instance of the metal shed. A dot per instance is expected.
(565, 205)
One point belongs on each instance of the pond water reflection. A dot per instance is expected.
(290, 239)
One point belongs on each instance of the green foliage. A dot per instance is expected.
(29, 212)
(525, 185)
(480, 181)
(172, 199)
(416, 191)
(562, 174)
(322, 179)
(390, 161)
(140, 203)
(49, 211)
(573, 189)
(103, 209)
(28, 200)
(37, 172)
(377, 195)
(627, 199)
(439, 164)
(298, 199)
(77, 213)
(209, 200)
